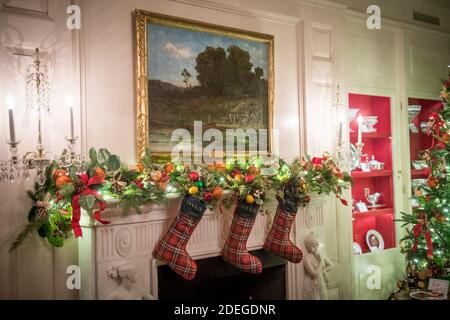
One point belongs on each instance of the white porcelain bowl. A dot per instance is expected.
(369, 123)
(414, 110)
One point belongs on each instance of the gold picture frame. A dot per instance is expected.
(142, 21)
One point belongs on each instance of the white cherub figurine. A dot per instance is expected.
(316, 269)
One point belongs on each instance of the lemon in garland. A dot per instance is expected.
(250, 199)
(193, 190)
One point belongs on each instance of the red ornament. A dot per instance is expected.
(317, 160)
(208, 196)
(249, 178)
(193, 176)
(306, 199)
(432, 182)
(447, 84)
(100, 173)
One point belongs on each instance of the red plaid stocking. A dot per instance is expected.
(172, 247)
(277, 240)
(235, 249)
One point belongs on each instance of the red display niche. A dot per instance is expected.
(379, 145)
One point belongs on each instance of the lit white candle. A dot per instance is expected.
(341, 119)
(12, 131)
(360, 121)
(70, 104)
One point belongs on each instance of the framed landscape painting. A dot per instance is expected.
(191, 71)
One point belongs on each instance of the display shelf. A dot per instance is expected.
(371, 174)
(383, 223)
(376, 212)
(371, 135)
(378, 146)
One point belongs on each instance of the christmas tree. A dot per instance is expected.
(427, 242)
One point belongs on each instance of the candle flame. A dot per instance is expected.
(360, 119)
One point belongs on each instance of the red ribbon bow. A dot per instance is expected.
(86, 190)
(343, 201)
(417, 231)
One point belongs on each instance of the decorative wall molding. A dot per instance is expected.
(421, 62)
(42, 13)
(322, 42)
(239, 11)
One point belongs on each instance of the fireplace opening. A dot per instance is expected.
(217, 279)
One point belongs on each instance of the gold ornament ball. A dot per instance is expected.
(193, 190)
(250, 199)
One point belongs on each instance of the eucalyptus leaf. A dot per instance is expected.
(103, 156)
(55, 241)
(87, 202)
(114, 163)
(93, 155)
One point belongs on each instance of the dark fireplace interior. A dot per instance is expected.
(217, 279)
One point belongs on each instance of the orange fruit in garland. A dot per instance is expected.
(169, 168)
(219, 167)
(62, 180)
(163, 186)
(338, 174)
(254, 171)
(217, 193)
(139, 167)
(99, 172)
(58, 173)
(250, 199)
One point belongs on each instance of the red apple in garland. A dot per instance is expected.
(249, 178)
(193, 176)
(208, 196)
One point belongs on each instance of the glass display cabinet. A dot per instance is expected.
(371, 167)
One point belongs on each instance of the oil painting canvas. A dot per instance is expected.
(198, 72)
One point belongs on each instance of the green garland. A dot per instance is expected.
(90, 184)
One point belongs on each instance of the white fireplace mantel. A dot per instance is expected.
(116, 259)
